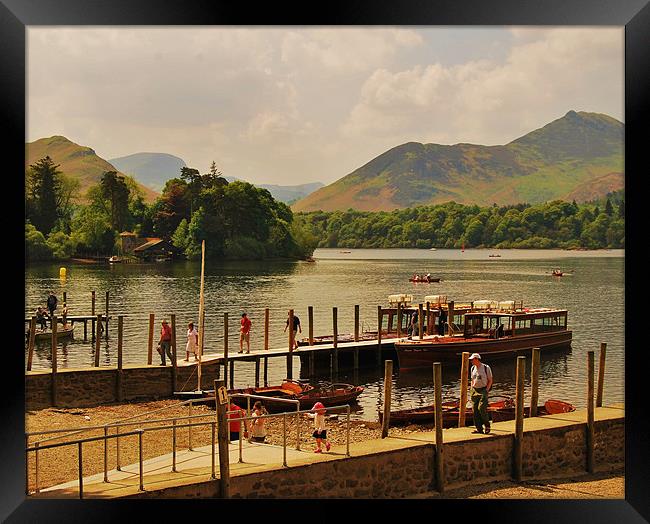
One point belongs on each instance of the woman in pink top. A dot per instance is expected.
(320, 433)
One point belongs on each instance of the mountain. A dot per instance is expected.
(150, 169)
(77, 161)
(286, 194)
(577, 156)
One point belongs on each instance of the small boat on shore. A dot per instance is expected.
(114, 260)
(46, 334)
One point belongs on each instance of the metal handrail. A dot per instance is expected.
(140, 432)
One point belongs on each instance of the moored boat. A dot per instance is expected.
(46, 334)
(425, 279)
(330, 395)
(493, 334)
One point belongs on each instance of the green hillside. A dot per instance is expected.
(75, 161)
(577, 156)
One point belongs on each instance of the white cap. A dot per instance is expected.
(475, 355)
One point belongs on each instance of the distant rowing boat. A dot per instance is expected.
(45, 334)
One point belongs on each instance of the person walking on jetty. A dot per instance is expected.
(258, 431)
(481, 375)
(320, 433)
(245, 333)
(165, 342)
(235, 422)
(296, 328)
(51, 305)
(192, 342)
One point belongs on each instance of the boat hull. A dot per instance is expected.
(418, 354)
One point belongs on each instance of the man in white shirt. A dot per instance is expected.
(481, 376)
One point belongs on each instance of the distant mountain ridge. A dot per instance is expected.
(77, 161)
(150, 169)
(577, 156)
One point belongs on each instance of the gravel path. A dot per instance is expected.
(61, 465)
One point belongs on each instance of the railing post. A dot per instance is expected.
(189, 428)
(37, 489)
(298, 417)
(120, 333)
(118, 464)
(30, 344)
(519, 420)
(174, 362)
(284, 439)
(54, 361)
(437, 385)
(534, 371)
(601, 375)
(81, 472)
(464, 369)
(347, 436)
(212, 452)
(105, 453)
(140, 434)
(174, 446)
(590, 411)
(388, 382)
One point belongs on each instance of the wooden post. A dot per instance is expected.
(257, 372)
(450, 317)
(380, 318)
(310, 314)
(534, 371)
(420, 321)
(464, 370)
(266, 329)
(356, 323)
(519, 419)
(30, 344)
(225, 349)
(437, 386)
(590, 411)
(312, 363)
(97, 339)
(428, 318)
(222, 436)
(65, 297)
(388, 383)
(120, 328)
(174, 362)
(92, 305)
(266, 371)
(85, 330)
(232, 374)
(106, 321)
(54, 363)
(150, 346)
(356, 359)
(601, 375)
(291, 341)
(336, 337)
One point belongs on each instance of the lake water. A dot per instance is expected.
(593, 292)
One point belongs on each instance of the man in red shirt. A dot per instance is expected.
(234, 424)
(165, 342)
(245, 333)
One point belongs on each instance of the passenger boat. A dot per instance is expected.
(46, 334)
(492, 333)
(340, 338)
(498, 410)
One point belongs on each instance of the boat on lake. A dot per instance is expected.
(557, 273)
(46, 334)
(424, 279)
(114, 260)
(494, 255)
(494, 333)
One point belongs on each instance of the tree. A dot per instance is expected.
(35, 246)
(43, 187)
(609, 210)
(115, 193)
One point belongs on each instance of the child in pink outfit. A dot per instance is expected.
(320, 433)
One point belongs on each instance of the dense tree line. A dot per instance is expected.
(237, 220)
(555, 224)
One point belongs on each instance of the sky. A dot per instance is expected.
(292, 105)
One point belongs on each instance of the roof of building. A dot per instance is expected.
(147, 245)
(127, 234)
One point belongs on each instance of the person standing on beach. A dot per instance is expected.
(165, 342)
(296, 328)
(245, 333)
(51, 305)
(192, 342)
(481, 375)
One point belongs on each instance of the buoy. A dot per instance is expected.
(62, 272)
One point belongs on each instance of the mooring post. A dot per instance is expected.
(30, 344)
(399, 320)
(98, 339)
(266, 371)
(380, 318)
(54, 362)
(590, 411)
(120, 328)
(519, 419)
(601, 375)
(232, 374)
(150, 346)
(225, 348)
(356, 323)
(428, 318)
(92, 304)
(534, 371)
(388, 383)
(464, 370)
(106, 317)
(85, 330)
(266, 329)
(437, 386)
(221, 402)
(174, 362)
(310, 315)
(420, 321)
(257, 372)
(65, 297)
(336, 338)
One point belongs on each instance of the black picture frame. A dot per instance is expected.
(15, 15)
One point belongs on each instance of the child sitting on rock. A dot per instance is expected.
(320, 433)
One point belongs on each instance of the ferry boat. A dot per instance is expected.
(494, 332)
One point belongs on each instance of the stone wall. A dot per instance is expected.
(409, 471)
(95, 386)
